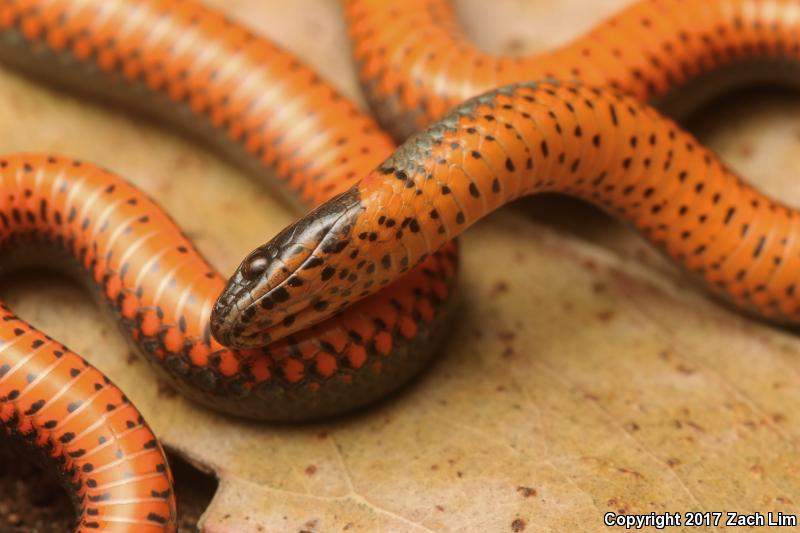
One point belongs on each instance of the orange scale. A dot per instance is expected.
(338, 339)
(44, 436)
(236, 130)
(172, 338)
(155, 80)
(456, 177)
(107, 395)
(293, 370)
(106, 31)
(87, 260)
(218, 111)
(440, 288)
(82, 49)
(82, 387)
(130, 306)
(117, 422)
(253, 144)
(218, 116)
(25, 425)
(761, 302)
(493, 151)
(325, 364)
(446, 204)
(7, 17)
(760, 297)
(244, 355)
(260, 369)
(90, 441)
(293, 182)
(410, 97)
(31, 28)
(25, 403)
(408, 327)
(364, 328)
(270, 155)
(126, 47)
(177, 91)
(415, 207)
(437, 107)
(235, 107)
(198, 102)
(356, 356)
(149, 323)
(480, 170)
(283, 167)
(371, 66)
(56, 39)
(99, 270)
(392, 199)
(385, 313)
(430, 189)
(377, 367)
(425, 309)
(785, 275)
(294, 262)
(313, 386)
(389, 82)
(383, 343)
(255, 120)
(432, 66)
(454, 73)
(199, 79)
(107, 60)
(307, 349)
(119, 469)
(56, 407)
(159, 56)
(199, 354)
(228, 365)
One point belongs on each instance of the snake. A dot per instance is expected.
(415, 61)
(349, 302)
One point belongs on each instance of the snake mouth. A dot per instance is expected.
(277, 288)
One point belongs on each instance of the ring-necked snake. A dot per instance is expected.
(305, 343)
(415, 62)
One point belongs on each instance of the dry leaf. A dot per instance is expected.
(584, 374)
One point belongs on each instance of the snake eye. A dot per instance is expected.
(254, 266)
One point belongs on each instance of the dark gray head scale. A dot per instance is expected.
(282, 272)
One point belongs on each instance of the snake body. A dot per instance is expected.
(347, 303)
(262, 106)
(563, 137)
(416, 63)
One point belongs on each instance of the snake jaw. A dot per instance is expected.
(277, 288)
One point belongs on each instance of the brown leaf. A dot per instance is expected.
(602, 381)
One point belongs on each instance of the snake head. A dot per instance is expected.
(287, 284)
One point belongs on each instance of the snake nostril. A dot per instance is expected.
(254, 266)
